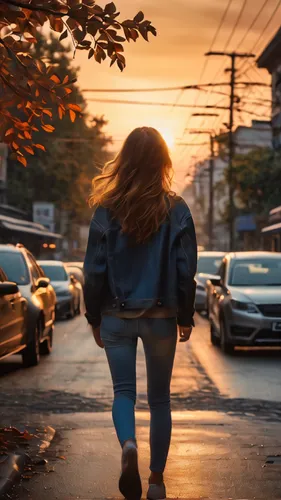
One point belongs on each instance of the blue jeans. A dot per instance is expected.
(159, 337)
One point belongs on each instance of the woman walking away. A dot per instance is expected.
(139, 283)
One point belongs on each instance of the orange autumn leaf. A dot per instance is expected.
(74, 107)
(22, 160)
(72, 115)
(29, 149)
(55, 78)
(39, 146)
(48, 128)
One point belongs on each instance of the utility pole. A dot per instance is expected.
(231, 146)
(211, 193)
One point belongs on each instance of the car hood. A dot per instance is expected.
(257, 294)
(202, 278)
(60, 286)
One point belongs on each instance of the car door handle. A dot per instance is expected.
(12, 302)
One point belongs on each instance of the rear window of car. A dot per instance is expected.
(256, 272)
(55, 273)
(208, 265)
(14, 266)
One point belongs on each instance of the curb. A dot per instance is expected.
(13, 464)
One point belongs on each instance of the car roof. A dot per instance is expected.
(211, 254)
(253, 255)
(10, 248)
(55, 263)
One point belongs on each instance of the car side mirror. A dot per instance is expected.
(8, 288)
(216, 281)
(73, 279)
(42, 282)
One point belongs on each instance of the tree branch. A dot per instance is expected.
(35, 8)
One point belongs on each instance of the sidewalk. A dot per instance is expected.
(213, 456)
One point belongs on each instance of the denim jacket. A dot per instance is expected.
(121, 275)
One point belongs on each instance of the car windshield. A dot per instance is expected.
(256, 272)
(14, 266)
(55, 273)
(208, 265)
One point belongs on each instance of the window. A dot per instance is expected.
(256, 272)
(208, 265)
(35, 271)
(55, 273)
(14, 266)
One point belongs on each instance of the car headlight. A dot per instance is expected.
(244, 306)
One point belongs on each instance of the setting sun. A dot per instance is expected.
(168, 136)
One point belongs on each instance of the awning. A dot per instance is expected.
(275, 228)
(30, 230)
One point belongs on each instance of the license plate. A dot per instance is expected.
(276, 327)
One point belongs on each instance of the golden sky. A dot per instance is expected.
(176, 57)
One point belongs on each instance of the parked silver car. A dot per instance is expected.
(244, 301)
(207, 267)
(68, 289)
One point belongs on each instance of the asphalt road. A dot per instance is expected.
(75, 377)
(253, 374)
(227, 418)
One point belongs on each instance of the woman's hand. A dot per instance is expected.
(185, 333)
(97, 337)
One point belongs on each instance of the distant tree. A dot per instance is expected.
(63, 174)
(33, 85)
(257, 180)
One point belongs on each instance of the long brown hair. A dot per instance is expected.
(136, 185)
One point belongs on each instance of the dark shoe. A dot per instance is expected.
(130, 482)
(156, 492)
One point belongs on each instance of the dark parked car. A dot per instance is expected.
(245, 301)
(13, 309)
(21, 268)
(68, 289)
(207, 267)
(76, 268)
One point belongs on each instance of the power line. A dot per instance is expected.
(264, 30)
(220, 26)
(226, 44)
(210, 48)
(230, 37)
(241, 12)
(195, 86)
(152, 103)
(252, 24)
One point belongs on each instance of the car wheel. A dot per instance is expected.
(71, 312)
(47, 346)
(215, 340)
(226, 346)
(31, 354)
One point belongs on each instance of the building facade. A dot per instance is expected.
(246, 139)
(270, 59)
